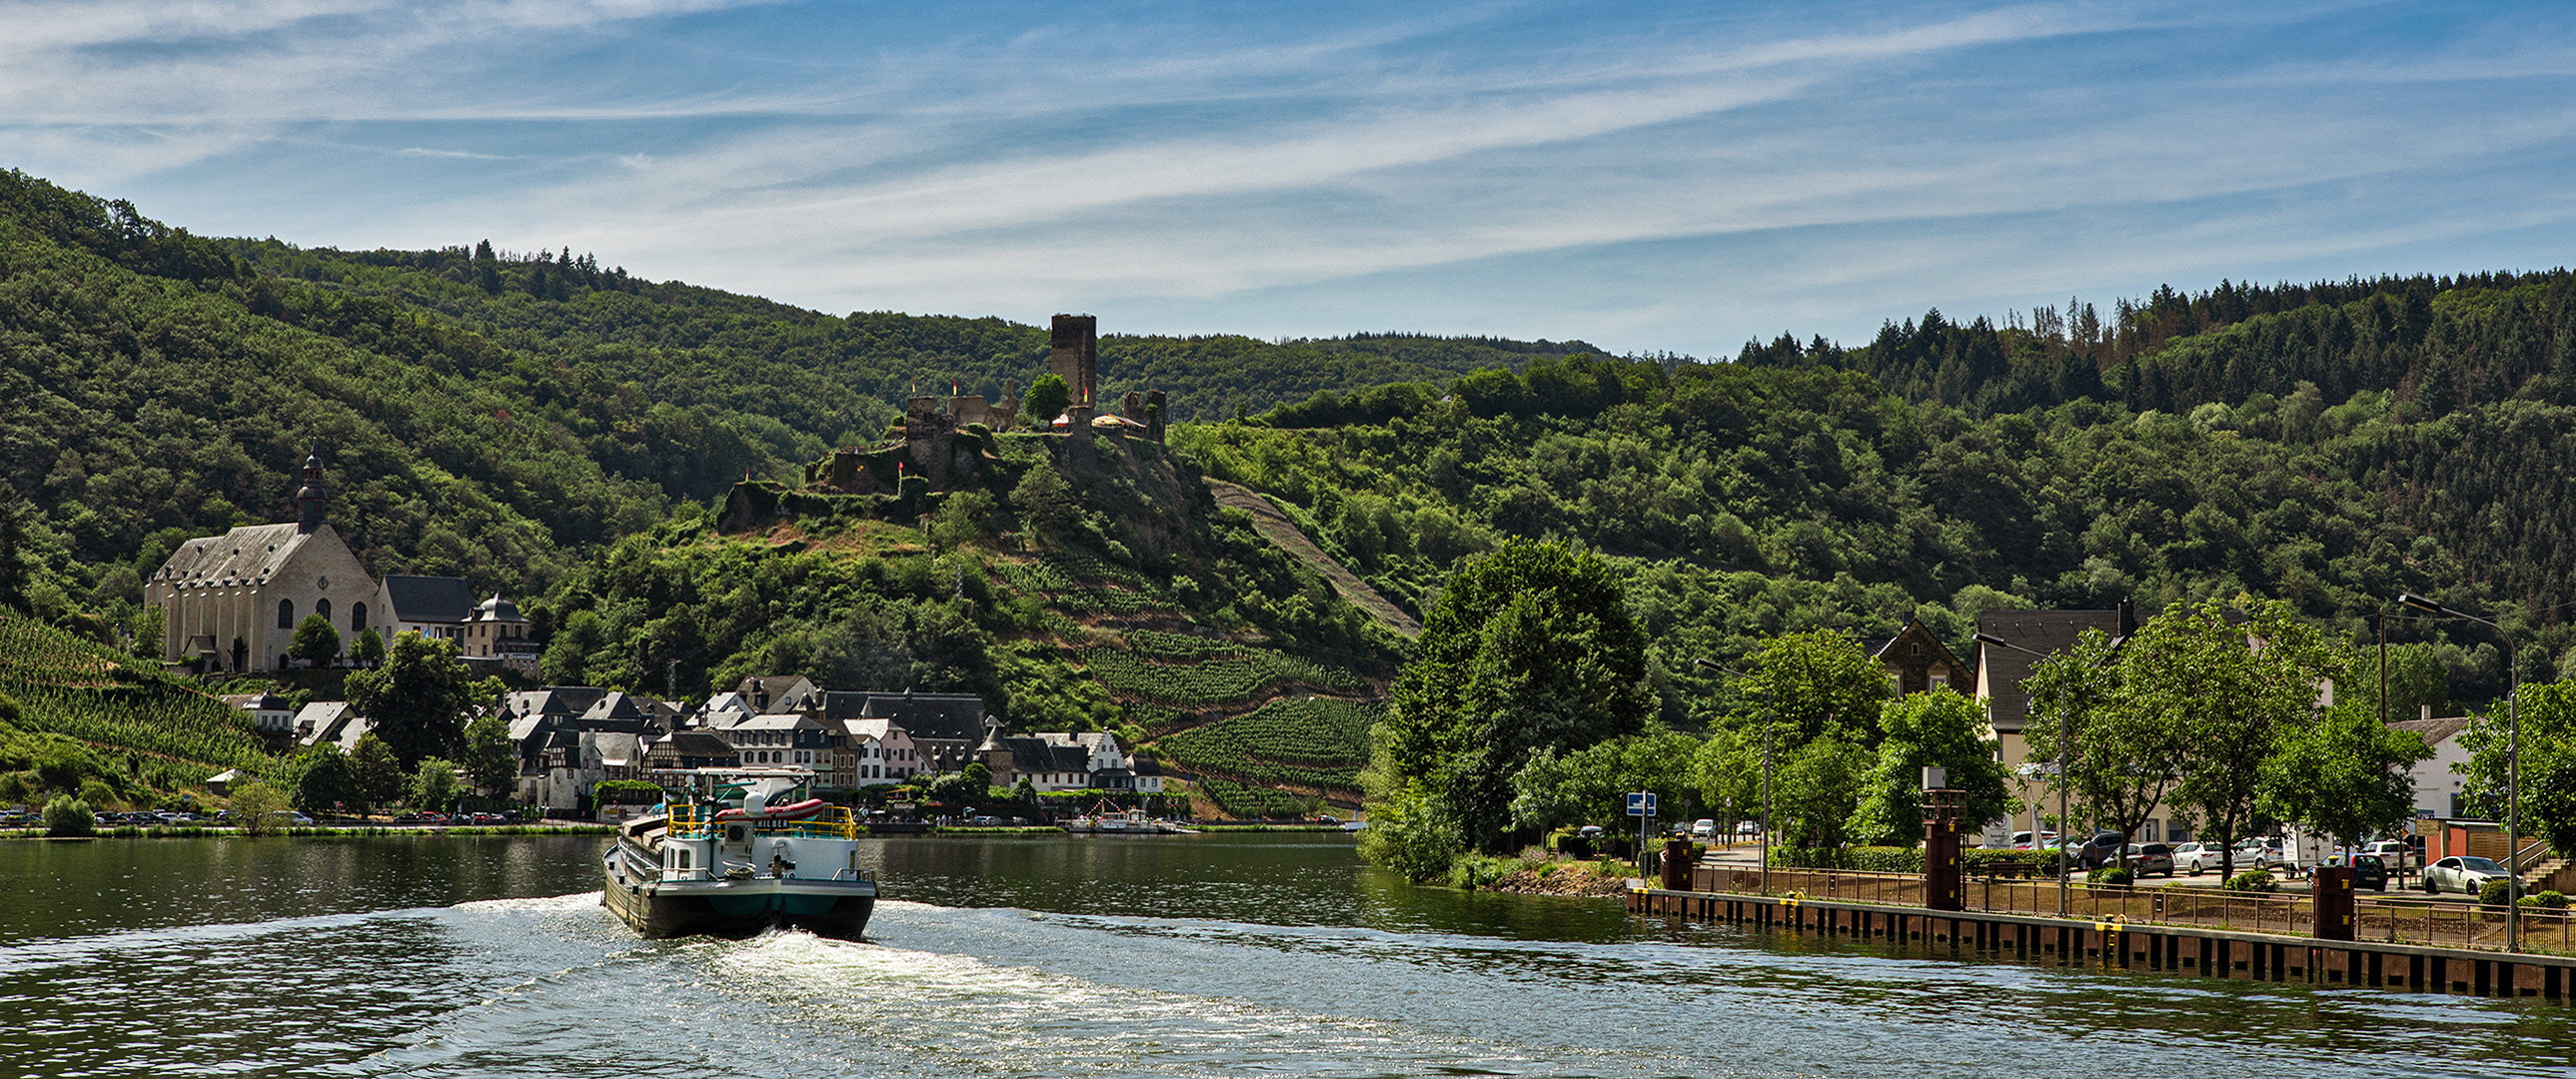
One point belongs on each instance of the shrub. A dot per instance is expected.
(2496, 893)
(2115, 875)
(2253, 880)
(1980, 859)
(96, 793)
(628, 792)
(253, 802)
(68, 816)
(2552, 899)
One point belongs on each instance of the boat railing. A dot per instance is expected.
(832, 822)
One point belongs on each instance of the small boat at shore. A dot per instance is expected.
(1131, 822)
(743, 852)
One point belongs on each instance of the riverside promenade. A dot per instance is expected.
(2410, 946)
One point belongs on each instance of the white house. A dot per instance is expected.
(268, 712)
(878, 751)
(2437, 785)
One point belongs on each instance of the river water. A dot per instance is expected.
(1250, 955)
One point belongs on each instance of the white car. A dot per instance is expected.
(2393, 853)
(1703, 828)
(2460, 874)
(2197, 858)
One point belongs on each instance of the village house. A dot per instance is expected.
(1057, 760)
(1917, 662)
(877, 751)
(268, 712)
(329, 722)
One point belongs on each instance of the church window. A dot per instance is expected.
(286, 614)
(357, 617)
(322, 607)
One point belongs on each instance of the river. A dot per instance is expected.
(1216, 955)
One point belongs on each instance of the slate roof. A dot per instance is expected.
(2435, 731)
(494, 609)
(696, 745)
(955, 717)
(2044, 632)
(1035, 753)
(553, 700)
(428, 599)
(243, 556)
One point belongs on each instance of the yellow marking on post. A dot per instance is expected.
(2106, 927)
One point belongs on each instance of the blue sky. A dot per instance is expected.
(1647, 177)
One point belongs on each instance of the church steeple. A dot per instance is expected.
(309, 500)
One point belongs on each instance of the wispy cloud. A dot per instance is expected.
(1836, 161)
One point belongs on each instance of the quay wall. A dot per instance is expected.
(2173, 949)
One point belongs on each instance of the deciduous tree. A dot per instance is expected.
(1531, 648)
(1923, 730)
(419, 699)
(315, 641)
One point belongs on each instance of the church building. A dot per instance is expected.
(233, 601)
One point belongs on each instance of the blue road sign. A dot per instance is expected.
(1641, 803)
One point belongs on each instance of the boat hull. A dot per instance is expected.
(740, 908)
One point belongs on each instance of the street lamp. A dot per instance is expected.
(1766, 768)
(2512, 757)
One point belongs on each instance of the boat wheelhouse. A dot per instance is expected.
(739, 852)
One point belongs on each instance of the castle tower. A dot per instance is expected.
(1075, 356)
(309, 499)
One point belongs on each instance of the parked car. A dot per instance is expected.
(2368, 871)
(2460, 873)
(2393, 853)
(2252, 854)
(2150, 859)
(2099, 851)
(291, 818)
(2197, 858)
(2025, 840)
(1703, 828)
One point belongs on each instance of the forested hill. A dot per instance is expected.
(480, 414)
(501, 416)
(2329, 445)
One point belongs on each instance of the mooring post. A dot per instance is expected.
(1943, 883)
(2332, 901)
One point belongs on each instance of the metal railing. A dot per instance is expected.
(831, 822)
(2394, 919)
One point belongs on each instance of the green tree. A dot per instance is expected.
(1531, 648)
(1590, 785)
(491, 760)
(434, 786)
(2121, 745)
(367, 649)
(2345, 775)
(2548, 720)
(325, 779)
(1816, 683)
(315, 641)
(419, 699)
(69, 816)
(252, 804)
(1816, 788)
(15, 575)
(379, 777)
(2234, 680)
(1047, 399)
(966, 786)
(1924, 730)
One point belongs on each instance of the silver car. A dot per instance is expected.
(2461, 874)
(2197, 858)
